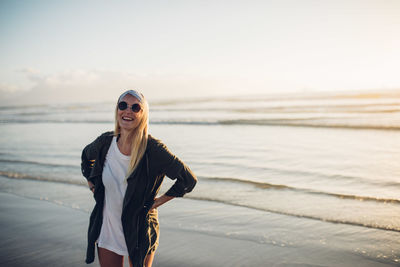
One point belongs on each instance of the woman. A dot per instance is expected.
(124, 170)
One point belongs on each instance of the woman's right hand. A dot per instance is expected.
(91, 186)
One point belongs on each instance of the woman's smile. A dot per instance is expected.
(125, 118)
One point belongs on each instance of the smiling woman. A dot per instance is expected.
(125, 163)
(127, 119)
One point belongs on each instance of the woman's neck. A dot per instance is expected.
(124, 143)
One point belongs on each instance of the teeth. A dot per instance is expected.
(127, 118)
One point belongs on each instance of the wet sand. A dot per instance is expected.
(40, 233)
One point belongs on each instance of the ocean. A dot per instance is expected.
(326, 158)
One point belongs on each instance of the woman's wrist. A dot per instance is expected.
(161, 200)
(91, 186)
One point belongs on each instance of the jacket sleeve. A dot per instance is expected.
(89, 156)
(86, 163)
(175, 169)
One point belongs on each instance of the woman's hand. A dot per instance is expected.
(91, 186)
(158, 201)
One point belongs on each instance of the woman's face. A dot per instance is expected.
(127, 119)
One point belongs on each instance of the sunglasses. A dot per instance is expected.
(123, 105)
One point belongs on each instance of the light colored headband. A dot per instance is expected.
(134, 93)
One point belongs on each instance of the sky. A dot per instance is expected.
(90, 51)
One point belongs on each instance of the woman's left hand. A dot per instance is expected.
(158, 201)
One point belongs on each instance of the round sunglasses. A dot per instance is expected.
(135, 107)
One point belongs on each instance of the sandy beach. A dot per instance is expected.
(38, 232)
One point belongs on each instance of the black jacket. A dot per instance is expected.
(143, 186)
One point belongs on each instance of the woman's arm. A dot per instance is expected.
(185, 179)
(175, 169)
(160, 201)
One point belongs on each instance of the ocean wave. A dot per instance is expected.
(338, 221)
(313, 122)
(17, 175)
(308, 123)
(24, 121)
(273, 107)
(303, 173)
(37, 163)
(263, 185)
(287, 122)
(267, 107)
(260, 185)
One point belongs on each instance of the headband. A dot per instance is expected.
(133, 93)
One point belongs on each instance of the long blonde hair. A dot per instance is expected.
(139, 136)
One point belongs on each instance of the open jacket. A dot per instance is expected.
(143, 186)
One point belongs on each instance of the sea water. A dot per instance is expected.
(329, 158)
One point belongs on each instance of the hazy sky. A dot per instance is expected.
(74, 51)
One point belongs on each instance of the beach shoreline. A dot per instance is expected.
(38, 232)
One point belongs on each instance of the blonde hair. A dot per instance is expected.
(139, 136)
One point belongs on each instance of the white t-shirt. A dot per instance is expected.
(114, 172)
